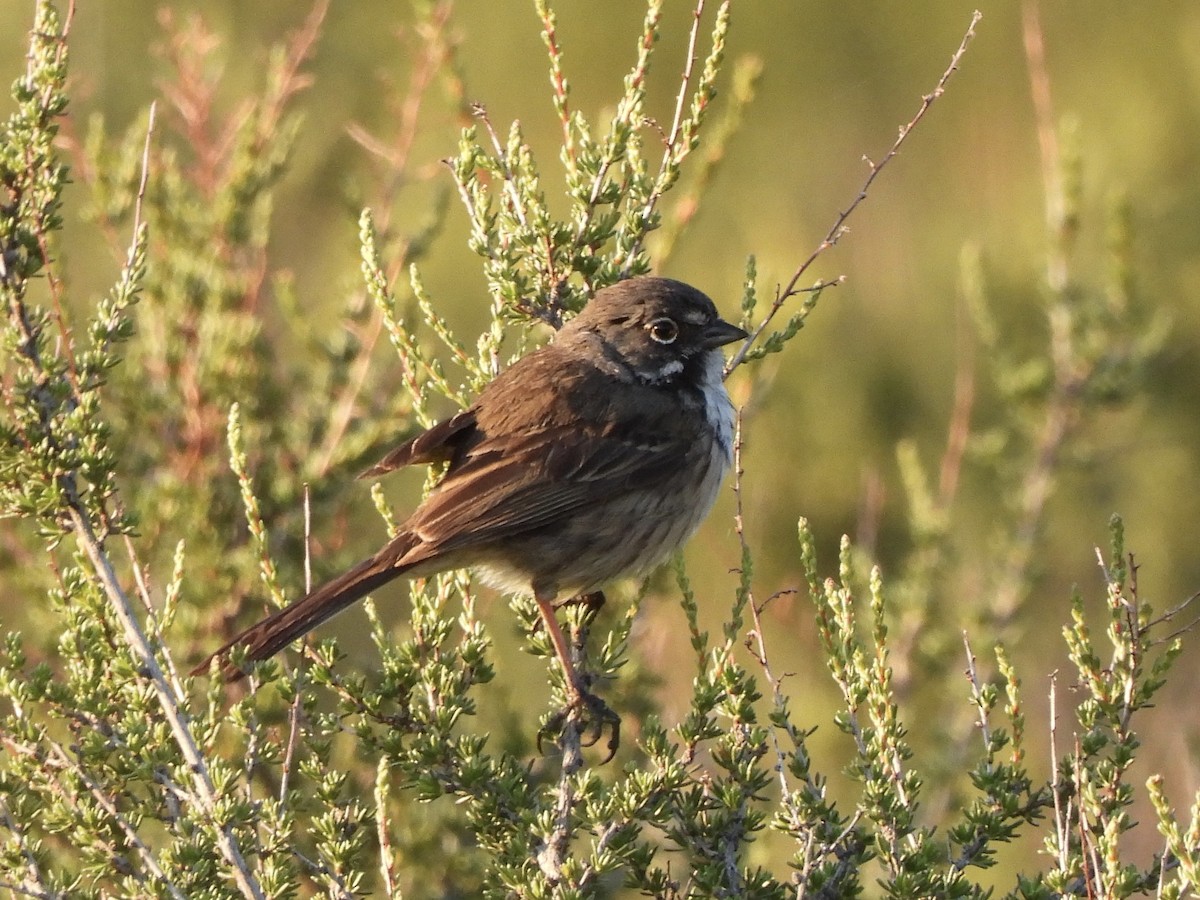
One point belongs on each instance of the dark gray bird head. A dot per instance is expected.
(657, 328)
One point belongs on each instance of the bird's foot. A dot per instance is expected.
(584, 720)
(592, 602)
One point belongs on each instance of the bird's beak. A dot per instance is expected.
(720, 333)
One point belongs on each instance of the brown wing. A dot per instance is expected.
(507, 487)
(438, 443)
(550, 436)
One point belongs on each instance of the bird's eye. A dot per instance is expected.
(663, 330)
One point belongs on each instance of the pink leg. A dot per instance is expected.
(561, 650)
(585, 710)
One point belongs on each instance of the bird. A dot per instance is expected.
(590, 459)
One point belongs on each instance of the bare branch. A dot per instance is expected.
(839, 224)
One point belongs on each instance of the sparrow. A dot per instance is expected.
(589, 460)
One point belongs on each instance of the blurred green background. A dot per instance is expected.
(877, 359)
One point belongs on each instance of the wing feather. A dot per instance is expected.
(496, 491)
(438, 443)
(522, 460)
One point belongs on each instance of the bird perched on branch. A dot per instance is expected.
(591, 459)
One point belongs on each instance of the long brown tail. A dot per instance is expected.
(272, 634)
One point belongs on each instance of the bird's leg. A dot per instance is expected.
(579, 698)
(575, 690)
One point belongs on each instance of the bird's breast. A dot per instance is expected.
(718, 408)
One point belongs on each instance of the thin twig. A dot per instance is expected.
(145, 177)
(684, 82)
(553, 851)
(169, 695)
(294, 710)
(33, 883)
(1069, 379)
(1060, 825)
(1047, 134)
(1169, 615)
(41, 230)
(387, 861)
(559, 83)
(50, 762)
(1086, 830)
(143, 591)
(629, 107)
(670, 155)
(1061, 418)
(436, 48)
(973, 677)
(838, 229)
(106, 803)
(959, 430)
(169, 702)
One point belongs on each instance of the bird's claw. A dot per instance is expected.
(590, 716)
(592, 602)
